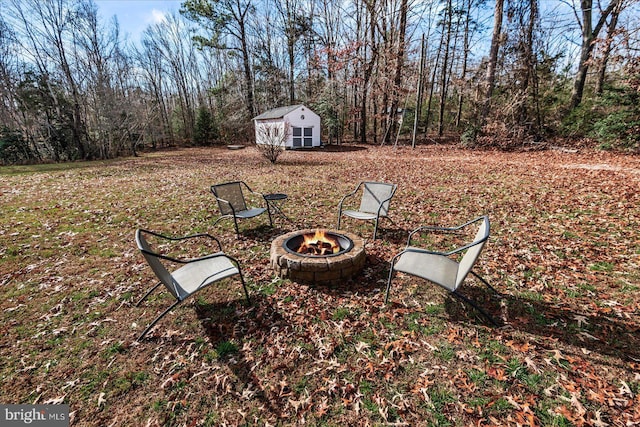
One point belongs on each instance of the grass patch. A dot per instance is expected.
(602, 266)
(225, 349)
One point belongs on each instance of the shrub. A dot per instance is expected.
(613, 120)
(271, 139)
(13, 147)
(205, 129)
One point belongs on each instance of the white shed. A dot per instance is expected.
(301, 125)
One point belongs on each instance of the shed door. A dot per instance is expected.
(308, 133)
(297, 137)
(302, 137)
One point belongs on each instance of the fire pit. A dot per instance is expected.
(317, 256)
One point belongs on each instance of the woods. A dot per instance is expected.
(507, 73)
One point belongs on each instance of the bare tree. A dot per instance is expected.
(447, 23)
(399, 63)
(224, 19)
(170, 38)
(295, 25)
(110, 116)
(151, 81)
(608, 46)
(272, 67)
(465, 57)
(45, 29)
(490, 79)
(589, 34)
(369, 52)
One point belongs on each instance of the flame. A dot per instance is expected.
(319, 244)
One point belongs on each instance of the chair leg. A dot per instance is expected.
(474, 305)
(152, 324)
(487, 284)
(269, 213)
(339, 218)
(386, 299)
(235, 224)
(244, 286)
(375, 229)
(148, 293)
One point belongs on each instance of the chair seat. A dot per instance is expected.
(360, 214)
(250, 213)
(436, 268)
(197, 274)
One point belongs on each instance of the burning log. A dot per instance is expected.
(318, 244)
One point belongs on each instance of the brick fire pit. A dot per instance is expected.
(317, 269)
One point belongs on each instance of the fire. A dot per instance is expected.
(319, 244)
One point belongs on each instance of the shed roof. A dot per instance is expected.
(277, 113)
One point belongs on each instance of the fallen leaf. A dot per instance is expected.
(101, 400)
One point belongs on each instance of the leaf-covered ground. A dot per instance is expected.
(564, 250)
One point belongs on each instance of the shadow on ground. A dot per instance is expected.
(237, 321)
(609, 335)
(335, 148)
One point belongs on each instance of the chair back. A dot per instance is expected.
(156, 265)
(231, 192)
(472, 254)
(375, 193)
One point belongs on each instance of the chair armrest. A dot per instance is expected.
(228, 203)
(416, 249)
(250, 190)
(261, 196)
(347, 196)
(448, 253)
(385, 201)
(421, 251)
(452, 230)
(465, 247)
(253, 198)
(255, 193)
(209, 256)
(425, 228)
(188, 260)
(180, 238)
(207, 235)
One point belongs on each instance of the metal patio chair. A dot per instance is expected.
(374, 203)
(439, 268)
(194, 274)
(232, 203)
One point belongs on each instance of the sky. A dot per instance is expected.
(134, 16)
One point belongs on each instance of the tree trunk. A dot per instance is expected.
(589, 34)
(608, 43)
(433, 82)
(465, 60)
(419, 91)
(446, 28)
(368, 71)
(397, 79)
(248, 80)
(490, 79)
